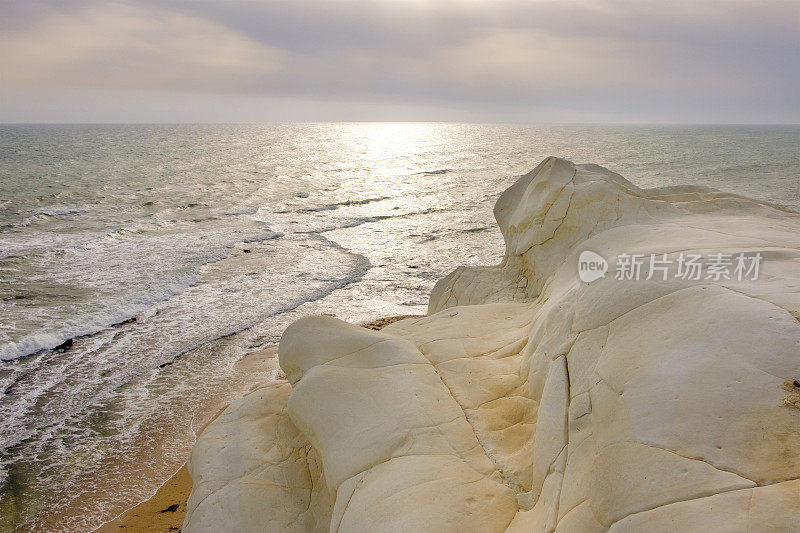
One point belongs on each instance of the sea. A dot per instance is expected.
(139, 263)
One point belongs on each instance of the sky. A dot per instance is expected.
(523, 61)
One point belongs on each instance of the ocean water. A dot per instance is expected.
(167, 252)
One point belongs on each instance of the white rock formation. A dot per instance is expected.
(529, 401)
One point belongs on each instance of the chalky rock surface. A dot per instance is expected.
(530, 401)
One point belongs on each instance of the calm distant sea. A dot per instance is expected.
(156, 244)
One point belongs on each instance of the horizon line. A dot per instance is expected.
(488, 123)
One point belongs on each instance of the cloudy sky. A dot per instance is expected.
(698, 61)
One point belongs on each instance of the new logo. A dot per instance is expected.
(591, 266)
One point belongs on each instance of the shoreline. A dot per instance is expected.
(165, 509)
(154, 514)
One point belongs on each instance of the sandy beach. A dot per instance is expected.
(163, 512)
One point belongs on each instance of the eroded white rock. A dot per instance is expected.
(252, 470)
(529, 401)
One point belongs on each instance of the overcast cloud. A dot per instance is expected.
(488, 60)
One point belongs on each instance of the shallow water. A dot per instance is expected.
(167, 252)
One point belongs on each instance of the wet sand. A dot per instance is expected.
(163, 512)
